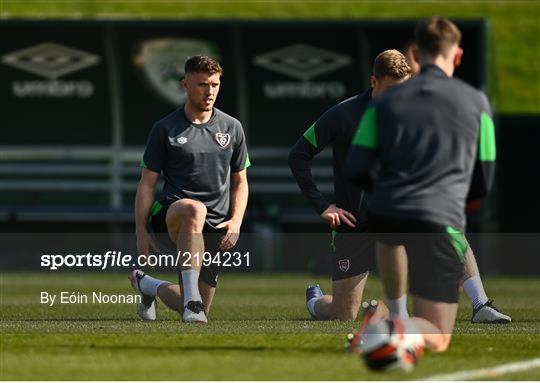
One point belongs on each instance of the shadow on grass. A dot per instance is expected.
(74, 320)
(205, 348)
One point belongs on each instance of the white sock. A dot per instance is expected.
(311, 306)
(150, 285)
(190, 284)
(398, 306)
(475, 290)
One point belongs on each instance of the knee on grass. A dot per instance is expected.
(440, 344)
(346, 314)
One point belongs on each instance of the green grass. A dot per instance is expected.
(258, 330)
(515, 25)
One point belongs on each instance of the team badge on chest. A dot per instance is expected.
(223, 139)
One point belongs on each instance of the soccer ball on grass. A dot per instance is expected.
(391, 344)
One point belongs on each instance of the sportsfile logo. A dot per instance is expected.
(160, 62)
(303, 62)
(51, 61)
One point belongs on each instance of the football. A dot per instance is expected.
(391, 344)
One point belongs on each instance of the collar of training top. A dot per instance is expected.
(201, 125)
(433, 69)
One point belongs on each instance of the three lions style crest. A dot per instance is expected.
(223, 139)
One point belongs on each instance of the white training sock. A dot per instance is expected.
(150, 285)
(475, 290)
(398, 306)
(311, 305)
(190, 284)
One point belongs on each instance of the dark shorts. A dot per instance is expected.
(352, 254)
(212, 238)
(435, 254)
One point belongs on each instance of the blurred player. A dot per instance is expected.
(203, 156)
(433, 140)
(409, 53)
(350, 256)
(483, 310)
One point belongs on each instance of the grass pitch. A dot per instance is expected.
(259, 330)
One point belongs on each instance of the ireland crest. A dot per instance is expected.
(344, 265)
(223, 139)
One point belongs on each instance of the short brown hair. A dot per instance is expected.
(202, 64)
(436, 35)
(391, 63)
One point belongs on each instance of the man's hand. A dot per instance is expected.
(145, 243)
(335, 216)
(232, 234)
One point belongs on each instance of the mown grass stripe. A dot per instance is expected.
(490, 372)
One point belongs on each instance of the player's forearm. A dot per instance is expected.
(239, 199)
(143, 203)
(299, 163)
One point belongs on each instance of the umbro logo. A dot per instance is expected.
(302, 61)
(175, 141)
(50, 60)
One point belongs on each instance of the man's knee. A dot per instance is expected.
(443, 344)
(194, 210)
(347, 296)
(188, 212)
(345, 314)
(345, 306)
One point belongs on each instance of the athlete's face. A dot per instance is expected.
(201, 90)
(379, 85)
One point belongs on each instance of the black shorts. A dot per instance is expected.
(352, 254)
(212, 239)
(435, 254)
